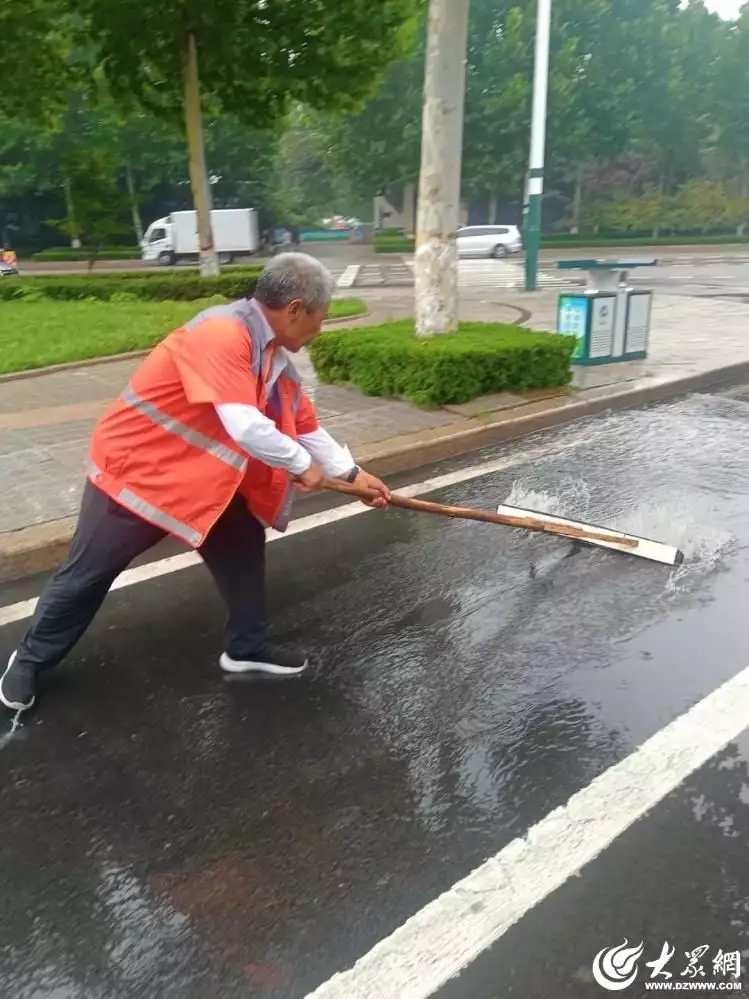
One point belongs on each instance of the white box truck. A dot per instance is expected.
(174, 239)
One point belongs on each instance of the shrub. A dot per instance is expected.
(173, 287)
(624, 240)
(58, 254)
(392, 243)
(390, 360)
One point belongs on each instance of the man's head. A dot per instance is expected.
(294, 291)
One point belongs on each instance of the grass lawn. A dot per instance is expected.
(39, 333)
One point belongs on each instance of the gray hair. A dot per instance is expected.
(291, 276)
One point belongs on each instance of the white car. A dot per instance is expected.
(489, 241)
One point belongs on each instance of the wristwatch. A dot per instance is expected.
(351, 476)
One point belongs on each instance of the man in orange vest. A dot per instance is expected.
(206, 443)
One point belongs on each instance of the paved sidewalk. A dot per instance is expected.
(46, 420)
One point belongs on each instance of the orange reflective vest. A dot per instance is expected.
(161, 450)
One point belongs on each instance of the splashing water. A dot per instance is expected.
(570, 499)
(15, 725)
(705, 545)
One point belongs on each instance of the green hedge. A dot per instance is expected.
(393, 244)
(590, 240)
(389, 360)
(402, 244)
(173, 287)
(67, 253)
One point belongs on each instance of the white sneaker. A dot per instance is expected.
(270, 661)
(18, 685)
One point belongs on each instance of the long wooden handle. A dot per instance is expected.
(466, 513)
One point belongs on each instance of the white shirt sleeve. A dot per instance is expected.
(328, 453)
(261, 438)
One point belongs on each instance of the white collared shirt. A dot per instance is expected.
(260, 438)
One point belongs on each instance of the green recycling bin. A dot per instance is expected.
(610, 321)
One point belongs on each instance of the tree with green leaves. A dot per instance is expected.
(34, 63)
(590, 106)
(378, 147)
(731, 102)
(498, 100)
(99, 208)
(252, 58)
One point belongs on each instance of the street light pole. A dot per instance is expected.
(436, 261)
(532, 234)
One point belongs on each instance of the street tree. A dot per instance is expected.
(34, 64)
(436, 270)
(252, 58)
(498, 100)
(98, 213)
(731, 100)
(377, 148)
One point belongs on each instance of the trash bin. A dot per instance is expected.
(610, 320)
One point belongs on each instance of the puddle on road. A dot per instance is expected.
(523, 677)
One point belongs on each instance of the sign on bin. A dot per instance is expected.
(573, 320)
(639, 305)
(602, 326)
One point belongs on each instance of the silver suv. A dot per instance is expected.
(489, 241)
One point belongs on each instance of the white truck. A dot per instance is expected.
(174, 239)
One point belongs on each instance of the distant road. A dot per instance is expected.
(338, 256)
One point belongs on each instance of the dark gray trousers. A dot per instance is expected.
(108, 537)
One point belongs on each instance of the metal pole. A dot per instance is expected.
(532, 234)
(436, 262)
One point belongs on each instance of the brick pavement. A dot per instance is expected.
(45, 421)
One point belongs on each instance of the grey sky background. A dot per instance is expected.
(726, 8)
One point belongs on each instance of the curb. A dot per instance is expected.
(40, 548)
(131, 355)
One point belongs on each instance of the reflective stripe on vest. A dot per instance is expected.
(194, 437)
(150, 512)
(143, 508)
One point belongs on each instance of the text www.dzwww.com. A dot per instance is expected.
(694, 986)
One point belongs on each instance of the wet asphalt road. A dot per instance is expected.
(720, 279)
(168, 832)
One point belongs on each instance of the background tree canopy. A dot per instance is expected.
(313, 109)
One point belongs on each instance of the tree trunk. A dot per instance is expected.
(743, 193)
(409, 208)
(439, 180)
(201, 193)
(662, 186)
(134, 206)
(493, 206)
(75, 233)
(577, 200)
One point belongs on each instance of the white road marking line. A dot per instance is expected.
(152, 570)
(349, 276)
(450, 932)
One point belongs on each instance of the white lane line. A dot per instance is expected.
(152, 570)
(450, 932)
(349, 276)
